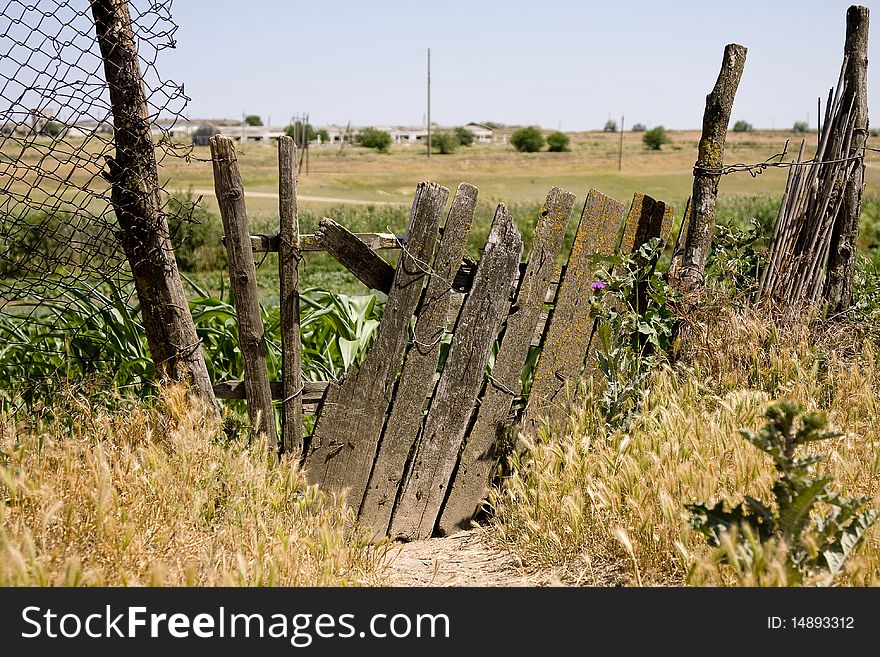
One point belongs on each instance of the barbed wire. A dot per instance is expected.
(759, 167)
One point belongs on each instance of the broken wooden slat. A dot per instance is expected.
(312, 391)
(229, 190)
(479, 457)
(419, 368)
(449, 414)
(288, 274)
(312, 242)
(355, 256)
(568, 336)
(347, 431)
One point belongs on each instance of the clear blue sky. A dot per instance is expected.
(557, 64)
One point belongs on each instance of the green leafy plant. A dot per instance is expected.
(610, 126)
(373, 138)
(638, 127)
(743, 126)
(800, 127)
(813, 544)
(527, 140)
(558, 142)
(632, 304)
(253, 120)
(655, 138)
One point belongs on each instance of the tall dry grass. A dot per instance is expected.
(159, 496)
(584, 494)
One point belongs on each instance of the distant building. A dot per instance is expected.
(406, 135)
(483, 134)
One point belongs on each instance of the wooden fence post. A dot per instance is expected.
(171, 334)
(288, 273)
(842, 253)
(707, 170)
(243, 280)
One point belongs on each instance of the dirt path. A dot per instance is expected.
(300, 197)
(471, 559)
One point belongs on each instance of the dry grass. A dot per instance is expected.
(159, 497)
(585, 493)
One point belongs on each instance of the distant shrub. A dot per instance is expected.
(445, 141)
(743, 126)
(527, 140)
(253, 120)
(656, 137)
(638, 127)
(465, 136)
(378, 139)
(324, 135)
(52, 128)
(800, 126)
(558, 142)
(301, 133)
(610, 126)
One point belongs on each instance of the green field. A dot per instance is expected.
(501, 174)
(370, 191)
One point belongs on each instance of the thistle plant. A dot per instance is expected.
(814, 544)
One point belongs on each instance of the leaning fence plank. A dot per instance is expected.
(288, 273)
(449, 414)
(243, 279)
(312, 242)
(480, 455)
(568, 336)
(347, 431)
(355, 256)
(417, 376)
(312, 391)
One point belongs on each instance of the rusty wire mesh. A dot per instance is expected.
(62, 271)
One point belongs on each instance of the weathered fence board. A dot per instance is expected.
(312, 391)
(415, 452)
(347, 431)
(419, 368)
(312, 242)
(288, 274)
(243, 279)
(480, 456)
(568, 336)
(355, 255)
(450, 411)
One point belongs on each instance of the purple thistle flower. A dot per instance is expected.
(597, 285)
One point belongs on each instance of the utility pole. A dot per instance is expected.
(620, 152)
(429, 102)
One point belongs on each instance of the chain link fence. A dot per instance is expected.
(66, 307)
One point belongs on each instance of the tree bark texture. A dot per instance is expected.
(842, 253)
(171, 335)
(707, 170)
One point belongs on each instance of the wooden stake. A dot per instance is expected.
(710, 159)
(288, 272)
(243, 279)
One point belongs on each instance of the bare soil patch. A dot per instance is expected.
(471, 558)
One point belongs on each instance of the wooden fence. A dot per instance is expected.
(415, 445)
